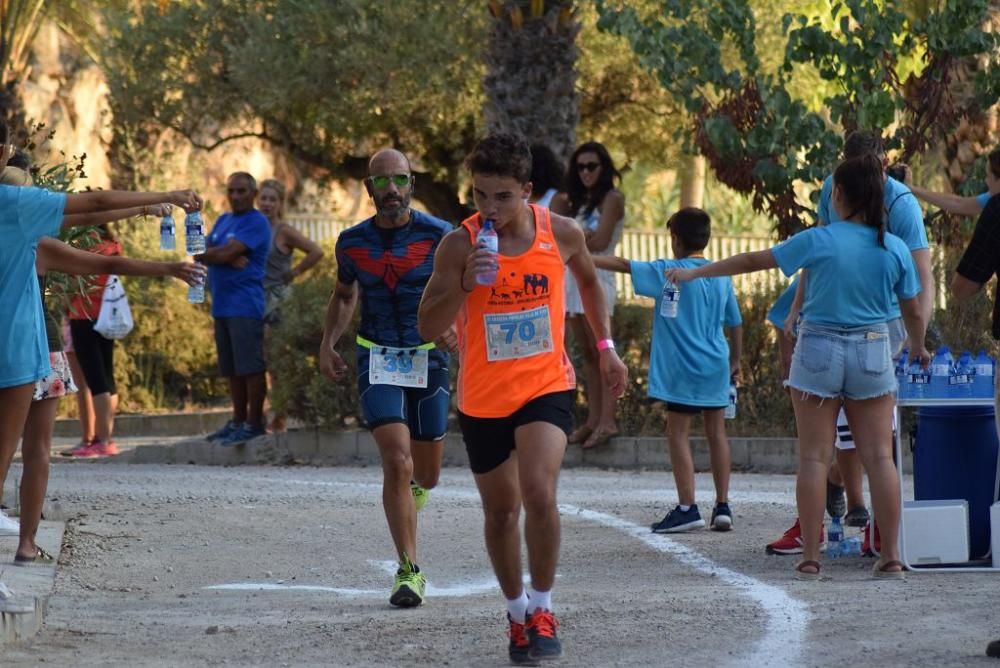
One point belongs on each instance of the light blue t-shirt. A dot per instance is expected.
(982, 199)
(239, 293)
(852, 280)
(26, 215)
(904, 219)
(689, 360)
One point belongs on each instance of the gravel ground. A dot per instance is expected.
(304, 556)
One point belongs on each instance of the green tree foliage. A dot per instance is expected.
(327, 82)
(762, 140)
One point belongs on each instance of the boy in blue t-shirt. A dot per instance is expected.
(691, 365)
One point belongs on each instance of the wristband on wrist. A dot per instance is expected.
(605, 344)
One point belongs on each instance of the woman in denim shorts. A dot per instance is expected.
(843, 351)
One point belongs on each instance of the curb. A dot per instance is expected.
(164, 424)
(35, 582)
(313, 447)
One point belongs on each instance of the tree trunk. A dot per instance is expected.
(530, 83)
(693, 181)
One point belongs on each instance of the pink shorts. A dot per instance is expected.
(58, 383)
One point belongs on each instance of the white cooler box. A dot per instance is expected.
(936, 532)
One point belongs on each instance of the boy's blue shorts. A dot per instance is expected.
(423, 409)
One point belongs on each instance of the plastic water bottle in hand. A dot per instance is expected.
(834, 538)
(982, 384)
(902, 384)
(168, 233)
(918, 379)
(194, 233)
(730, 412)
(196, 292)
(487, 238)
(670, 300)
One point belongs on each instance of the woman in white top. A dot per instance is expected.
(599, 207)
(546, 175)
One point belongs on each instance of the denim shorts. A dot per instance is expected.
(849, 362)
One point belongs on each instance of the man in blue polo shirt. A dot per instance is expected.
(236, 256)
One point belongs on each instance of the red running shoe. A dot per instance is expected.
(866, 546)
(791, 541)
(518, 642)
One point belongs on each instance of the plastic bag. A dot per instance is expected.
(115, 319)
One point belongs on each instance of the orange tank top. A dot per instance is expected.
(510, 335)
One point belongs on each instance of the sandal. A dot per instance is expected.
(580, 434)
(880, 570)
(40, 557)
(599, 438)
(806, 575)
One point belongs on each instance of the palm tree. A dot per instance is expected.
(530, 83)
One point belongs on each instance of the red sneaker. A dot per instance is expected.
(82, 450)
(866, 547)
(99, 449)
(791, 541)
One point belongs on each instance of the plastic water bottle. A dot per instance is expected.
(194, 233)
(671, 300)
(168, 233)
(982, 384)
(834, 539)
(940, 371)
(918, 378)
(963, 374)
(196, 292)
(487, 238)
(851, 547)
(903, 388)
(730, 412)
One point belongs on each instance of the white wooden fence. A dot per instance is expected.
(642, 246)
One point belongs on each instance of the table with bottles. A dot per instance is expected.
(966, 381)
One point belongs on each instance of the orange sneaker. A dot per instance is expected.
(518, 649)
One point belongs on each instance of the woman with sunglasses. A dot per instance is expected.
(592, 199)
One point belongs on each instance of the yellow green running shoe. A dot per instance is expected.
(408, 590)
(420, 495)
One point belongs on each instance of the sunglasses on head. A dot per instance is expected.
(380, 182)
(587, 166)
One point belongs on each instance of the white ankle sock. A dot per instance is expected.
(518, 607)
(539, 599)
(683, 508)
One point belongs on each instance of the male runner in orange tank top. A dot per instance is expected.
(515, 383)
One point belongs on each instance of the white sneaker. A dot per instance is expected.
(8, 527)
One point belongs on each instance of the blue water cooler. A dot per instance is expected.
(955, 457)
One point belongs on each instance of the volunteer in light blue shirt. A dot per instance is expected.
(843, 352)
(959, 204)
(691, 364)
(26, 215)
(689, 358)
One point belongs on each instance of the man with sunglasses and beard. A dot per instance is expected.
(403, 380)
(236, 256)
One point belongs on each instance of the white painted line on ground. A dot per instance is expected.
(787, 617)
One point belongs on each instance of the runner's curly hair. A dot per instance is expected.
(501, 154)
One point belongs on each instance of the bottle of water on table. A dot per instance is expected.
(940, 372)
(982, 383)
(961, 379)
(487, 238)
(918, 378)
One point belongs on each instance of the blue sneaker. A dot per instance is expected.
(242, 434)
(224, 432)
(677, 521)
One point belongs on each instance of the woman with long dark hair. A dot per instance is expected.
(842, 353)
(594, 201)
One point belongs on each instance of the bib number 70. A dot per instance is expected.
(524, 329)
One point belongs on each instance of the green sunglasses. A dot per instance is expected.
(398, 180)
